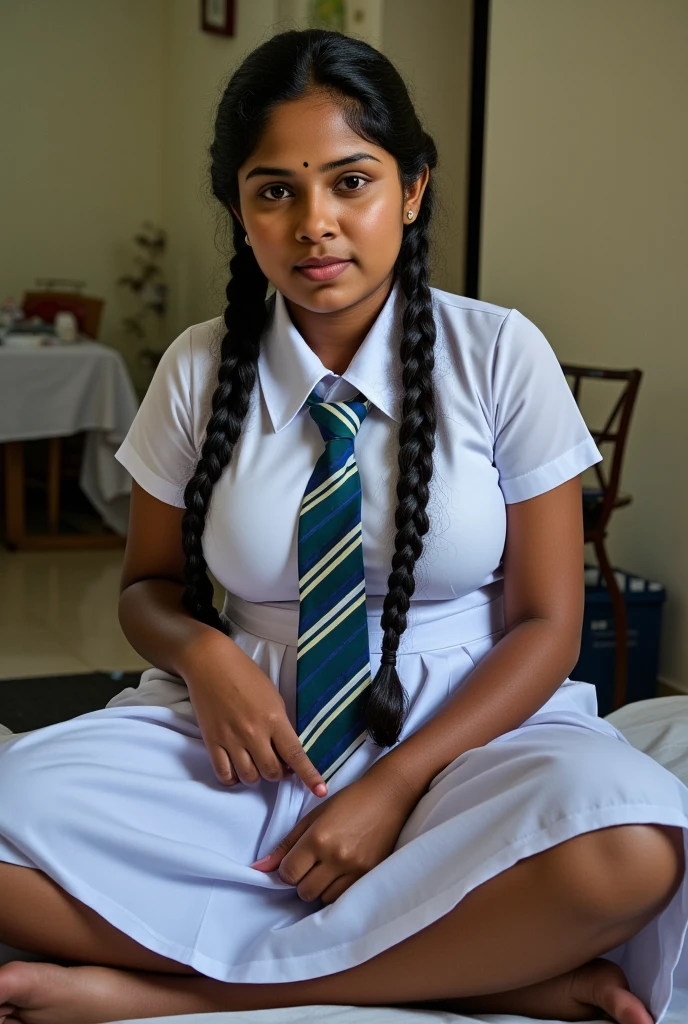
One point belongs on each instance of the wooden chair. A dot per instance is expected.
(88, 312)
(600, 502)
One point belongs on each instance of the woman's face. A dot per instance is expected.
(293, 207)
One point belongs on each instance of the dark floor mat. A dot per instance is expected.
(34, 703)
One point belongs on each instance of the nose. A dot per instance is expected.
(316, 216)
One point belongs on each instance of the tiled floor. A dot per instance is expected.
(59, 614)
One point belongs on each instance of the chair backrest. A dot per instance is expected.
(86, 309)
(616, 436)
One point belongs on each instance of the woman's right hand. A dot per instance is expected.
(242, 717)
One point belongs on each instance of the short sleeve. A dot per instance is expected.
(540, 437)
(159, 450)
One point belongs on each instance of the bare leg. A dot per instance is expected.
(530, 924)
(40, 917)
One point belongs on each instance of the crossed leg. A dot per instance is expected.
(506, 947)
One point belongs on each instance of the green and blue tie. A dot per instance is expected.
(333, 657)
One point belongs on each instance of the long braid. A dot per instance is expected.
(376, 105)
(245, 316)
(388, 703)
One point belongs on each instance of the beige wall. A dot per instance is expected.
(80, 116)
(584, 230)
(436, 66)
(197, 66)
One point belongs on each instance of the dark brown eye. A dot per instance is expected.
(270, 189)
(355, 177)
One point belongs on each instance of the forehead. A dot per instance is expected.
(310, 130)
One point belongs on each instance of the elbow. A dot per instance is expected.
(570, 643)
(567, 638)
(565, 641)
(122, 606)
(574, 659)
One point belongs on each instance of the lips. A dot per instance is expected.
(325, 272)
(325, 262)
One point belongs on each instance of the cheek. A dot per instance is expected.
(380, 221)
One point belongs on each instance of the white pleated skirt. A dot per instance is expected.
(121, 807)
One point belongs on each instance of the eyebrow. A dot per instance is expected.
(284, 173)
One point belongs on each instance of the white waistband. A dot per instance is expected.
(431, 625)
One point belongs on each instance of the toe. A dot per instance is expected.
(15, 978)
(603, 984)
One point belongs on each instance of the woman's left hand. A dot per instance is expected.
(343, 837)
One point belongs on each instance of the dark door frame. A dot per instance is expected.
(481, 28)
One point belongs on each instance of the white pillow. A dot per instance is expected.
(658, 727)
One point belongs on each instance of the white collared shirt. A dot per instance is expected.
(508, 428)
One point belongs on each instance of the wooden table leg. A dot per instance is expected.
(53, 484)
(16, 537)
(15, 509)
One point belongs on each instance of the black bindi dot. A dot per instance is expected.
(305, 164)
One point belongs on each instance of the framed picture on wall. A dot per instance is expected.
(217, 16)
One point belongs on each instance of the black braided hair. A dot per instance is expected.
(376, 105)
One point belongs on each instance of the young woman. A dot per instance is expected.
(369, 780)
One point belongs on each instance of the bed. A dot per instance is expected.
(659, 727)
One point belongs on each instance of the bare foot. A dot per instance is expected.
(38, 993)
(41, 993)
(602, 985)
(595, 991)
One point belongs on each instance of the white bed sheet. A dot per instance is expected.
(677, 1014)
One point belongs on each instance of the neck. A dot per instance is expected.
(336, 337)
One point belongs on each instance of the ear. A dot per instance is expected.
(237, 216)
(414, 193)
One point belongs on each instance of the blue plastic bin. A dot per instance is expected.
(644, 600)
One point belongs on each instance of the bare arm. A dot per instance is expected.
(157, 625)
(544, 594)
(151, 613)
(240, 712)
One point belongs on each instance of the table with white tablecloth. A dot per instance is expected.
(60, 390)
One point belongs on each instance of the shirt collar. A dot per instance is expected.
(289, 369)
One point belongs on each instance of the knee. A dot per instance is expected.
(622, 871)
(28, 792)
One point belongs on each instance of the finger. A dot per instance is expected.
(222, 766)
(272, 860)
(340, 885)
(245, 767)
(304, 852)
(316, 881)
(267, 762)
(290, 750)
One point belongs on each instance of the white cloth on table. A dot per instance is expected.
(60, 390)
(122, 807)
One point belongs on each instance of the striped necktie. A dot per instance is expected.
(333, 658)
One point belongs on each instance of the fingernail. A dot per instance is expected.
(320, 789)
(263, 860)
